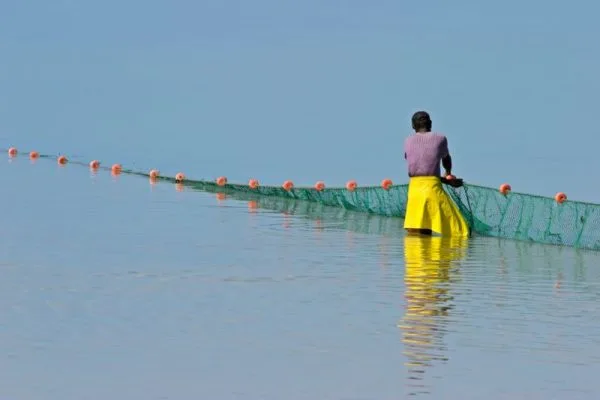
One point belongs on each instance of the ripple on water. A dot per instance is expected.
(508, 301)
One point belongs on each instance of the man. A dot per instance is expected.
(429, 209)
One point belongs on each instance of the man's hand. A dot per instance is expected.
(454, 182)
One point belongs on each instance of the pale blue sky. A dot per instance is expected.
(307, 90)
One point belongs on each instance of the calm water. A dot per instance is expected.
(118, 289)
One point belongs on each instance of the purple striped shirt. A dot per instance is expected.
(424, 152)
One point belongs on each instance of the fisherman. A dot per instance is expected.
(429, 208)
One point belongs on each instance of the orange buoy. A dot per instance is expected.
(351, 185)
(153, 174)
(12, 152)
(34, 155)
(62, 160)
(505, 188)
(116, 169)
(95, 164)
(386, 184)
(560, 197)
(253, 183)
(288, 185)
(221, 181)
(180, 177)
(320, 185)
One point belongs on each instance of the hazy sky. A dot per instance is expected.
(307, 90)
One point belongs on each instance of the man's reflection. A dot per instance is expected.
(428, 273)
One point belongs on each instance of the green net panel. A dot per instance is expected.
(516, 216)
(488, 212)
(529, 217)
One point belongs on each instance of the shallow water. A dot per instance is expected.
(115, 288)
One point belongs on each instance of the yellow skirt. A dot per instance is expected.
(430, 207)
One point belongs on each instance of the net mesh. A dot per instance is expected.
(488, 212)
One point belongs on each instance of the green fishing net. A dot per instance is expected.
(488, 212)
(529, 217)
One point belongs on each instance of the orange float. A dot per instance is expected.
(505, 188)
(221, 181)
(95, 164)
(560, 197)
(154, 174)
(351, 186)
(386, 184)
(12, 151)
(116, 169)
(253, 183)
(320, 185)
(288, 185)
(34, 155)
(180, 177)
(62, 160)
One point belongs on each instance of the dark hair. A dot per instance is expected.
(421, 121)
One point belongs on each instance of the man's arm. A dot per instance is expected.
(447, 164)
(446, 158)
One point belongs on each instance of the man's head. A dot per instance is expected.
(421, 122)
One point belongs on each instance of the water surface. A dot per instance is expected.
(115, 288)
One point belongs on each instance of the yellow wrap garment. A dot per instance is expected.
(430, 207)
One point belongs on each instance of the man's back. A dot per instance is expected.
(423, 152)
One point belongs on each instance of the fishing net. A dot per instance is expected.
(488, 212)
(529, 217)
